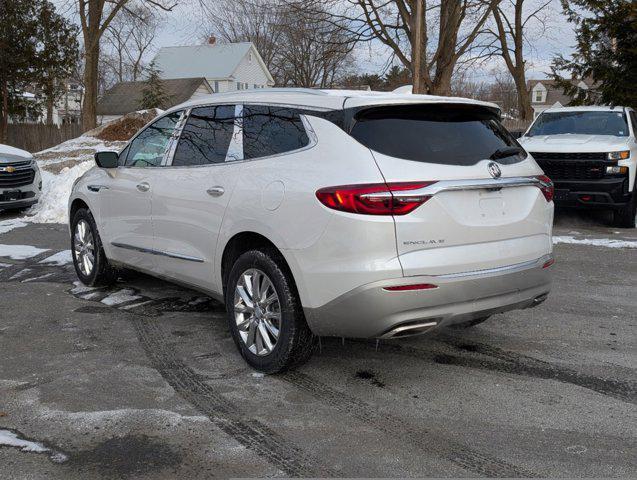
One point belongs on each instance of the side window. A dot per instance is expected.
(270, 130)
(206, 136)
(148, 148)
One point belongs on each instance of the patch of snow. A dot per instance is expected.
(10, 224)
(258, 374)
(21, 274)
(12, 439)
(596, 242)
(20, 252)
(33, 279)
(53, 204)
(61, 258)
(121, 296)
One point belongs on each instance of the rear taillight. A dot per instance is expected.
(374, 199)
(546, 185)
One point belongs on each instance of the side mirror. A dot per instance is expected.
(107, 159)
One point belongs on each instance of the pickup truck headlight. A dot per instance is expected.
(616, 170)
(623, 155)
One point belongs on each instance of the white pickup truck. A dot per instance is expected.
(590, 153)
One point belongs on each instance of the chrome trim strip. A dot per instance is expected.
(157, 252)
(505, 269)
(428, 325)
(457, 185)
(96, 188)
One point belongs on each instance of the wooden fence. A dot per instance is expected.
(34, 137)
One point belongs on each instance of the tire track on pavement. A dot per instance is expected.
(466, 354)
(249, 432)
(423, 438)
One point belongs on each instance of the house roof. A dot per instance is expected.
(218, 61)
(555, 93)
(124, 97)
(327, 99)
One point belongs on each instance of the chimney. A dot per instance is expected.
(212, 40)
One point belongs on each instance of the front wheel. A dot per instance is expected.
(264, 313)
(89, 259)
(625, 216)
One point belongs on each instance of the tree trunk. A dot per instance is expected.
(417, 47)
(525, 111)
(4, 116)
(49, 103)
(89, 106)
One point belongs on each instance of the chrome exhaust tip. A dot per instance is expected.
(539, 299)
(408, 330)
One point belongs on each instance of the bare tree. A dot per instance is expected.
(95, 18)
(513, 20)
(128, 39)
(298, 49)
(428, 37)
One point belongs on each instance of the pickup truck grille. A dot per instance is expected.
(21, 176)
(572, 166)
(569, 156)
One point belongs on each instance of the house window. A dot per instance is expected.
(216, 86)
(250, 57)
(538, 96)
(238, 85)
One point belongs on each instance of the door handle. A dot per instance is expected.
(143, 187)
(215, 191)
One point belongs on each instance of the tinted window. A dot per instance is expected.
(206, 136)
(633, 117)
(148, 148)
(585, 123)
(271, 131)
(446, 134)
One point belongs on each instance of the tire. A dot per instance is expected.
(625, 216)
(100, 272)
(469, 324)
(253, 327)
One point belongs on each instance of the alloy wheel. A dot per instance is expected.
(84, 247)
(257, 311)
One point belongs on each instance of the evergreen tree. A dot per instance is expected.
(153, 93)
(606, 52)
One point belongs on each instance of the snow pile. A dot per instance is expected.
(20, 252)
(125, 127)
(12, 439)
(10, 224)
(52, 207)
(596, 242)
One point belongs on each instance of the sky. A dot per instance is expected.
(185, 26)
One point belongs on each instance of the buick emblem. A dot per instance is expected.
(494, 170)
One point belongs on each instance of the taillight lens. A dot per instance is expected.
(546, 185)
(374, 198)
(414, 286)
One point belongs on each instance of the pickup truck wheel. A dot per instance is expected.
(625, 216)
(264, 313)
(469, 324)
(89, 259)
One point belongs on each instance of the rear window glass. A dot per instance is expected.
(583, 123)
(269, 130)
(444, 134)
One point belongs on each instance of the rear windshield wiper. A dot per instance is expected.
(505, 152)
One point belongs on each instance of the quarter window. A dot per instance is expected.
(269, 130)
(206, 136)
(149, 147)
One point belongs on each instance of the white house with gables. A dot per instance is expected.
(226, 66)
(547, 94)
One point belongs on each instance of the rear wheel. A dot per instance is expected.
(264, 313)
(625, 216)
(469, 324)
(89, 259)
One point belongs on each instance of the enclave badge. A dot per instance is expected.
(494, 170)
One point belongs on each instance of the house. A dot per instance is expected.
(125, 97)
(547, 94)
(226, 67)
(67, 108)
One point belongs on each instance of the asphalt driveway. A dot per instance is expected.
(143, 380)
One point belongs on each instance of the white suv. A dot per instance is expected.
(20, 180)
(315, 213)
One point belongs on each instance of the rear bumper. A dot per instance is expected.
(372, 312)
(606, 192)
